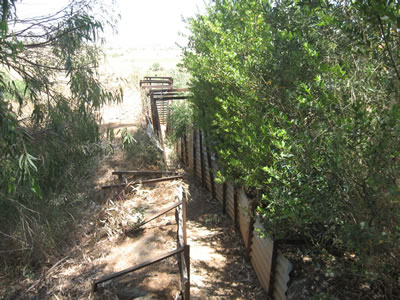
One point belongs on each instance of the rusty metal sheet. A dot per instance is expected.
(229, 201)
(261, 256)
(244, 219)
(283, 269)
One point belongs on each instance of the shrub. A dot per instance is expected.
(142, 150)
(300, 100)
(180, 121)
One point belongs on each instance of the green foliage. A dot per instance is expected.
(49, 92)
(156, 67)
(180, 121)
(127, 139)
(179, 74)
(301, 102)
(141, 150)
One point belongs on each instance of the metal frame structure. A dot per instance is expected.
(182, 251)
(161, 93)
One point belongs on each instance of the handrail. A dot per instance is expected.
(155, 216)
(141, 172)
(141, 182)
(137, 267)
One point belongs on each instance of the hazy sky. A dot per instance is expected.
(144, 23)
(152, 22)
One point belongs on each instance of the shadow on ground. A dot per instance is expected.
(219, 268)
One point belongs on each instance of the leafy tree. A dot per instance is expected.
(300, 99)
(50, 90)
(180, 121)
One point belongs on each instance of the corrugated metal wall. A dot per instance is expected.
(260, 249)
(243, 215)
(261, 256)
(282, 271)
(190, 149)
(230, 206)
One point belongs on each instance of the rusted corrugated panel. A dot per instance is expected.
(198, 155)
(283, 269)
(190, 148)
(219, 192)
(261, 265)
(261, 248)
(261, 256)
(244, 220)
(218, 187)
(207, 170)
(229, 201)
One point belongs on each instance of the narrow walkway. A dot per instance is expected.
(218, 266)
(219, 269)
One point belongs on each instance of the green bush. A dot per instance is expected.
(141, 150)
(300, 100)
(37, 194)
(180, 121)
(50, 89)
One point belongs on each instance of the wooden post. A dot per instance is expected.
(235, 206)
(273, 269)
(211, 174)
(203, 180)
(194, 151)
(186, 254)
(187, 290)
(224, 190)
(186, 149)
(184, 219)
(156, 120)
(153, 118)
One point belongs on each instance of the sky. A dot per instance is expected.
(154, 22)
(143, 23)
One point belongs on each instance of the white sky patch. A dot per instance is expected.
(154, 23)
(143, 23)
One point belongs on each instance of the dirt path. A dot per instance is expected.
(218, 267)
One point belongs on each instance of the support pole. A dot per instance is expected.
(224, 191)
(203, 180)
(211, 174)
(273, 269)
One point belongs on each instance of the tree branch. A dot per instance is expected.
(47, 42)
(388, 47)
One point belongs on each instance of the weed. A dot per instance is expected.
(180, 121)
(141, 150)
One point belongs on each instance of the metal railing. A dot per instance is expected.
(182, 252)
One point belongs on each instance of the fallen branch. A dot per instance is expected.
(47, 273)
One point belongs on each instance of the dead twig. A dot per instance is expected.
(47, 273)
